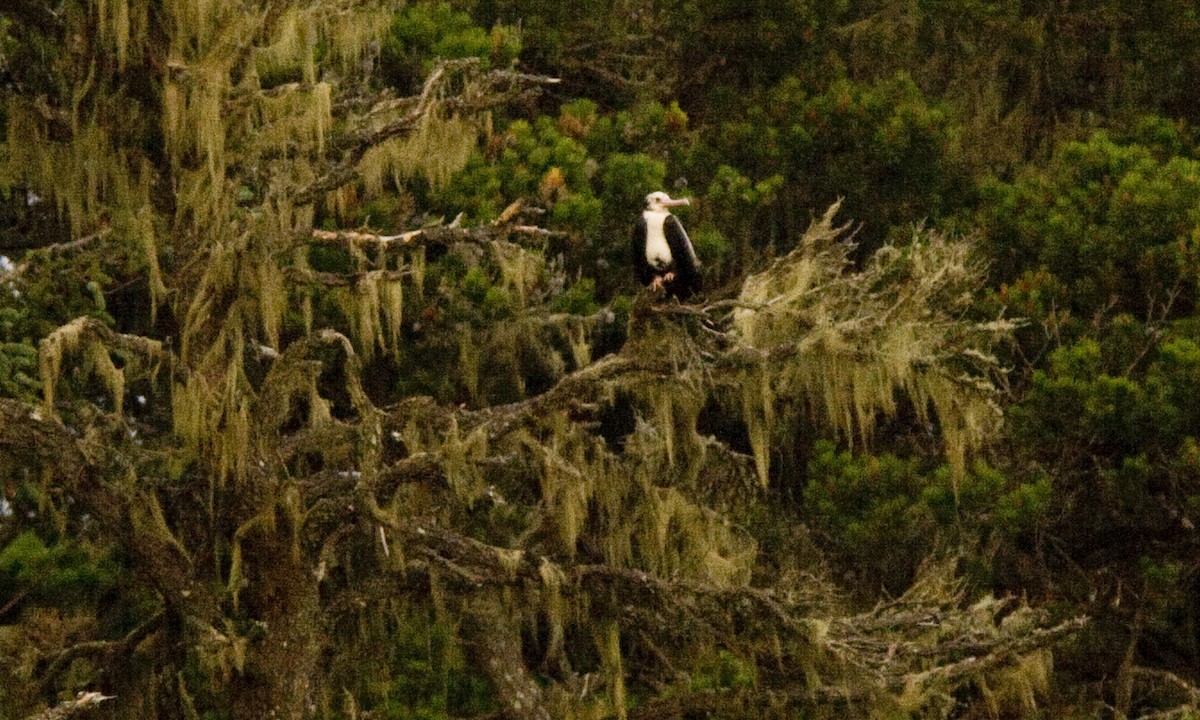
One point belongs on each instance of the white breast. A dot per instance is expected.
(658, 252)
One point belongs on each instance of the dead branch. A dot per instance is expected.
(82, 703)
(674, 609)
(55, 249)
(439, 235)
(999, 654)
(87, 327)
(1173, 683)
(34, 14)
(744, 702)
(330, 279)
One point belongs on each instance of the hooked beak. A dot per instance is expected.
(677, 201)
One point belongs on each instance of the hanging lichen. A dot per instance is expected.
(758, 412)
(460, 456)
(123, 24)
(566, 490)
(469, 356)
(554, 607)
(95, 342)
(295, 119)
(353, 34)
(847, 343)
(438, 148)
(293, 47)
(578, 338)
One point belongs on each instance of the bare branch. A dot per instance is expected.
(55, 249)
(84, 702)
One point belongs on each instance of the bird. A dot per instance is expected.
(662, 253)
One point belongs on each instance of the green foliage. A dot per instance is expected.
(1112, 223)
(1027, 505)
(721, 670)
(579, 211)
(880, 516)
(18, 356)
(18, 371)
(628, 178)
(410, 667)
(1081, 401)
(871, 510)
(883, 147)
(475, 285)
(715, 247)
(64, 575)
(534, 161)
(1119, 436)
(497, 304)
(579, 299)
(424, 32)
(762, 111)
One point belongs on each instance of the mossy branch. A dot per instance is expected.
(480, 92)
(95, 339)
(956, 643)
(38, 441)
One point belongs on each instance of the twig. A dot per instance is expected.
(107, 648)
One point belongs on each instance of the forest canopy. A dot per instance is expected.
(327, 388)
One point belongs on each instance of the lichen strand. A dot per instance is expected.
(461, 458)
(123, 25)
(609, 642)
(101, 190)
(520, 269)
(294, 118)
(758, 412)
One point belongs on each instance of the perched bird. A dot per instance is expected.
(662, 252)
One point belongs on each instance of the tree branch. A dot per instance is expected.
(83, 702)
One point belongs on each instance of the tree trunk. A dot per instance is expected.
(496, 645)
(282, 594)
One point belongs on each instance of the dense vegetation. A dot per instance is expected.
(326, 389)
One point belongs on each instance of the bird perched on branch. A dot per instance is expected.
(662, 252)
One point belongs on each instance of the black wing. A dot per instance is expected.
(637, 248)
(687, 266)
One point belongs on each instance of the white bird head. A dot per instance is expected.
(661, 201)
